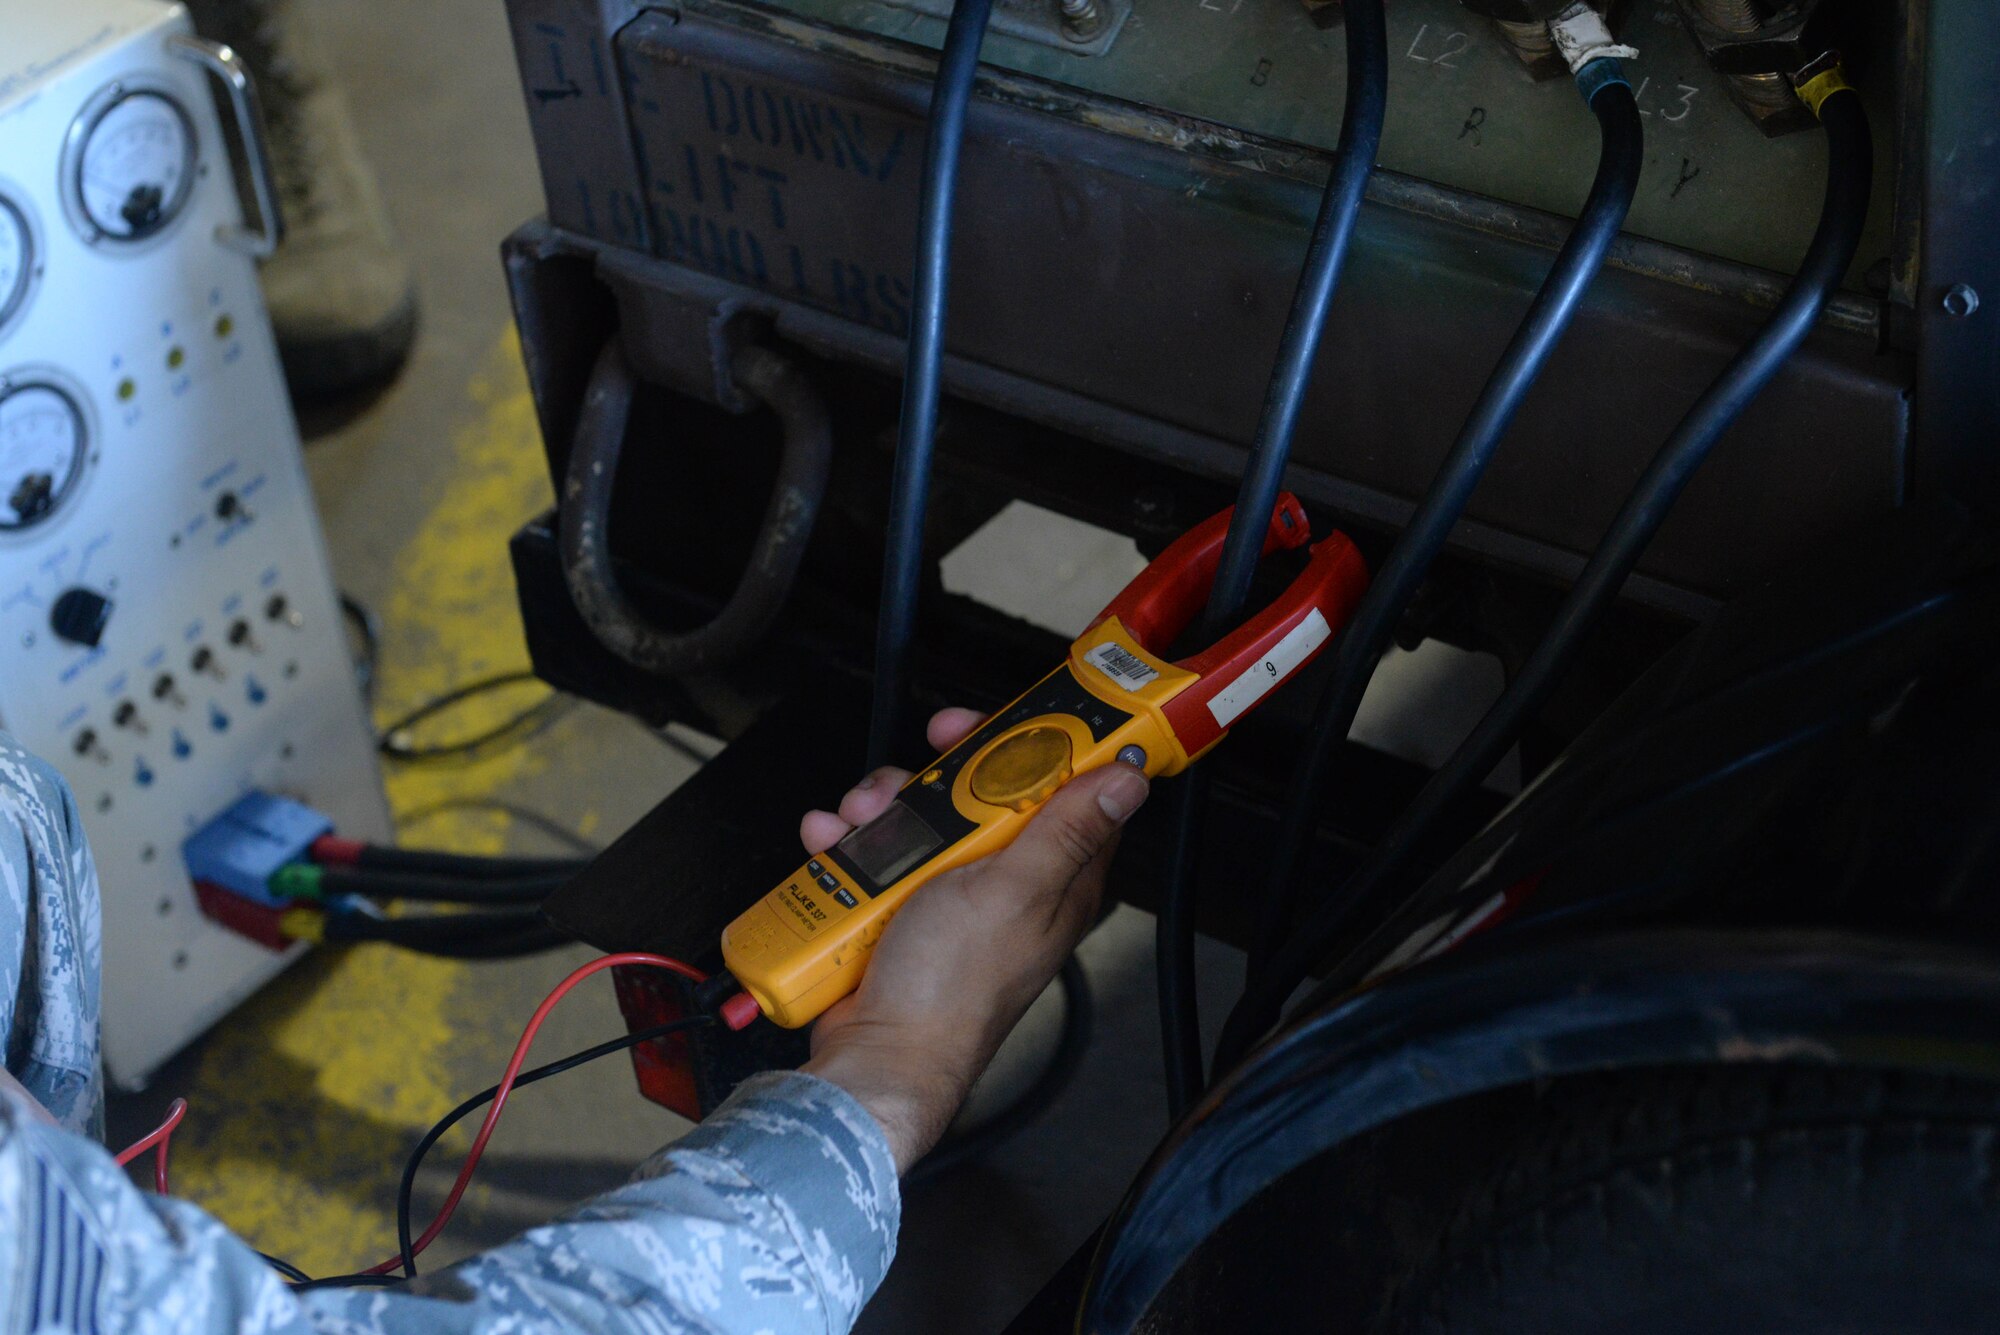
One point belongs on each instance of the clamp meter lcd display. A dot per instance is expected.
(806, 944)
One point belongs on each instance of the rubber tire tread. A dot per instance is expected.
(1730, 1198)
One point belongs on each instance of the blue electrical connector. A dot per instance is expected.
(241, 849)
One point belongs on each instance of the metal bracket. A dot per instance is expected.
(1084, 27)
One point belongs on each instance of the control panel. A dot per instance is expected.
(169, 632)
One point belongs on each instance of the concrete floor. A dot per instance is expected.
(306, 1101)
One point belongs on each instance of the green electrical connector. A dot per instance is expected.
(297, 880)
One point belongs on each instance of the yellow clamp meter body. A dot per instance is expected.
(806, 944)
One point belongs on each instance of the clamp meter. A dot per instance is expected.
(806, 944)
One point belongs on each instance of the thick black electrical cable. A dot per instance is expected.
(431, 926)
(406, 1189)
(464, 866)
(286, 1268)
(1621, 157)
(496, 935)
(1264, 470)
(916, 438)
(1849, 176)
(1079, 1017)
(426, 887)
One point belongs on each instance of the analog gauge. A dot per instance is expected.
(43, 440)
(17, 259)
(133, 167)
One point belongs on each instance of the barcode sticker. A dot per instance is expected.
(1121, 665)
(1257, 680)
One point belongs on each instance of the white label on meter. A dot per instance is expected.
(1121, 665)
(1257, 680)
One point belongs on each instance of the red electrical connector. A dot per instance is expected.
(336, 850)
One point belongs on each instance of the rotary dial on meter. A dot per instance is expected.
(135, 166)
(17, 259)
(43, 441)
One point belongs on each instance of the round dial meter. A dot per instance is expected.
(43, 441)
(17, 259)
(134, 165)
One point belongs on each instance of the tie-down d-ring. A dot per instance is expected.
(781, 385)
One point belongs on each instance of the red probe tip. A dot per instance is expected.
(740, 1010)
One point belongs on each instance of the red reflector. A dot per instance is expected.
(665, 1066)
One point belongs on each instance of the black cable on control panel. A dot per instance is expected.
(1284, 399)
(1850, 170)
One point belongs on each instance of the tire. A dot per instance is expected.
(1737, 1199)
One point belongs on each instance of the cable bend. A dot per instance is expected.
(780, 384)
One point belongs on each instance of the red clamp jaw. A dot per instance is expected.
(1236, 673)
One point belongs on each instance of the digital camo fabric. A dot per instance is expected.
(51, 955)
(777, 1215)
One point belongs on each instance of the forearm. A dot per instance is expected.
(778, 1215)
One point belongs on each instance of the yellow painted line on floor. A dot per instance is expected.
(308, 1098)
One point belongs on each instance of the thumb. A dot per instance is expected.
(1072, 828)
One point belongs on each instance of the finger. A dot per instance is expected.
(949, 727)
(1072, 830)
(871, 797)
(821, 830)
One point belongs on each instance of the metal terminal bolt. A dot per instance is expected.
(1738, 16)
(1529, 38)
(1961, 300)
(1082, 20)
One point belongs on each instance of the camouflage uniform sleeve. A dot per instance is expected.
(777, 1215)
(51, 956)
(82, 1250)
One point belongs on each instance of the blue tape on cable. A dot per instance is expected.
(1598, 75)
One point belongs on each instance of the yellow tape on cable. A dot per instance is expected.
(1823, 85)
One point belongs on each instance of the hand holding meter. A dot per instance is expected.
(806, 944)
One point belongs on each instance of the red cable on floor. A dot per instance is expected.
(156, 1140)
(734, 1014)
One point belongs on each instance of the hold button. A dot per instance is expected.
(1023, 770)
